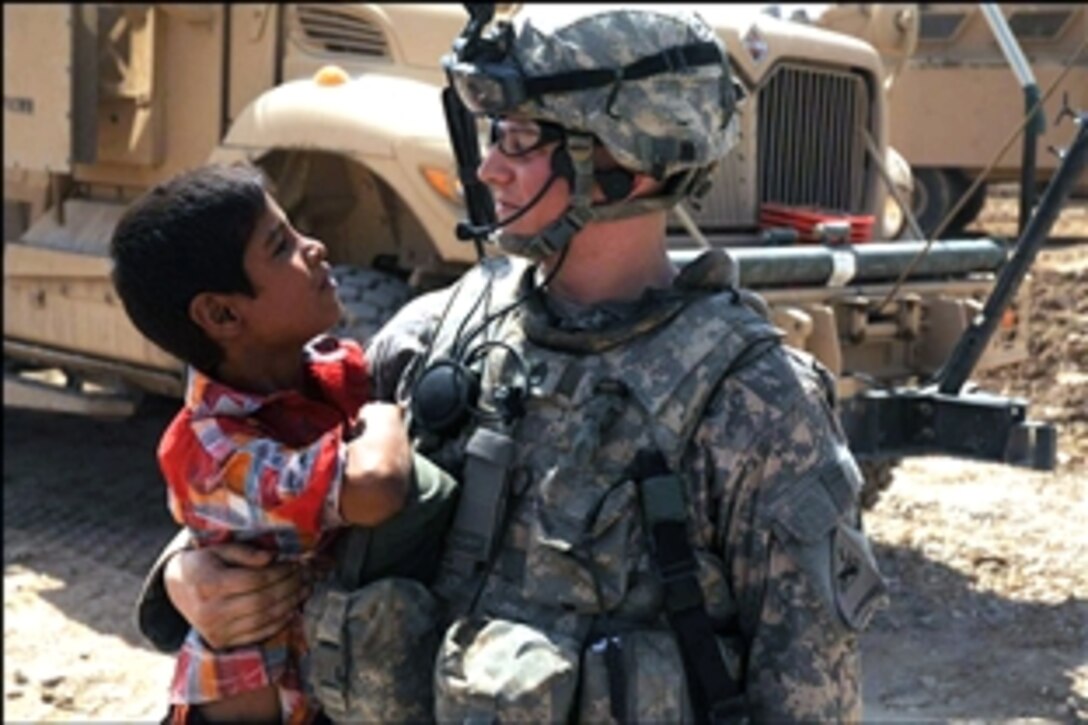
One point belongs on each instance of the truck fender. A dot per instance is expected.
(894, 222)
(365, 116)
(394, 126)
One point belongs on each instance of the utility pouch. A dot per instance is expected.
(494, 670)
(579, 549)
(372, 650)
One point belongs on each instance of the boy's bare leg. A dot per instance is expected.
(261, 705)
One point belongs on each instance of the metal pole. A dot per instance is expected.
(963, 359)
(1007, 41)
(1026, 78)
(1027, 165)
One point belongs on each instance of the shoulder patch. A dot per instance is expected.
(859, 589)
(813, 519)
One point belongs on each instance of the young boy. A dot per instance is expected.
(264, 449)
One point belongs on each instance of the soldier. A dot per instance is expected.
(655, 490)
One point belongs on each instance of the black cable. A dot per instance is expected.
(521, 300)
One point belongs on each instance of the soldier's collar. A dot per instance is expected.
(595, 328)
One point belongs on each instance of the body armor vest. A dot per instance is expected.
(550, 529)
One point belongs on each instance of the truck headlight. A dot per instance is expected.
(893, 218)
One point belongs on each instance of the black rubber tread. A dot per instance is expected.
(971, 208)
(370, 297)
(932, 198)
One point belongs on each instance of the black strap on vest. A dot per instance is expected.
(715, 694)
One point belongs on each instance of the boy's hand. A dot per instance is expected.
(232, 594)
(387, 416)
(379, 466)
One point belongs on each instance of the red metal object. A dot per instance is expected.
(808, 220)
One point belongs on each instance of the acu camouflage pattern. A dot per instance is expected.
(489, 666)
(769, 486)
(371, 650)
(649, 118)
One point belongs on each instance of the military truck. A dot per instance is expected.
(340, 105)
(954, 100)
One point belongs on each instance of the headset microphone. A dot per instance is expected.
(466, 231)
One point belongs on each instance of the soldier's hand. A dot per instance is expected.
(232, 594)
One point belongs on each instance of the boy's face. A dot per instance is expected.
(294, 292)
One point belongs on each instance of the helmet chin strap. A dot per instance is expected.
(557, 235)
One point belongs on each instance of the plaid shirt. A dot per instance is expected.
(263, 469)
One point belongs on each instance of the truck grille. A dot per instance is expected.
(337, 30)
(811, 152)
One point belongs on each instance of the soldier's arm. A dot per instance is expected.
(232, 594)
(156, 617)
(802, 572)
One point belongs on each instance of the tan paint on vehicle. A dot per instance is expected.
(148, 96)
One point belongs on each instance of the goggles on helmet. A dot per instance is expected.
(516, 137)
(494, 88)
(489, 89)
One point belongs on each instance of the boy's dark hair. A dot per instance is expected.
(185, 236)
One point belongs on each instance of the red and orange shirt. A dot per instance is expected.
(264, 469)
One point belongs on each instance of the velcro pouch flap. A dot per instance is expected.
(372, 650)
(813, 505)
(494, 670)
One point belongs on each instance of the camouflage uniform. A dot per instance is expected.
(771, 494)
(560, 598)
(549, 602)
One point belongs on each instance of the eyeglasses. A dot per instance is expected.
(516, 138)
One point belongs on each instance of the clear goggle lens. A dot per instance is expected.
(492, 92)
(481, 94)
(514, 137)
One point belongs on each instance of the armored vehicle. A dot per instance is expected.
(340, 105)
(954, 99)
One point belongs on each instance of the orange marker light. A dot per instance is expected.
(331, 75)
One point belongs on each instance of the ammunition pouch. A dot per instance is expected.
(373, 627)
(494, 670)
(372, 650)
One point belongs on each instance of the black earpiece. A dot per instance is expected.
(443, 396)
(448, 391)
(615, 183)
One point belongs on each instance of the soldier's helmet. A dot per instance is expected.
(653, 86)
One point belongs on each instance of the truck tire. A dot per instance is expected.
(877, 477)
(971, 208)
(370, 298)
(932, 198)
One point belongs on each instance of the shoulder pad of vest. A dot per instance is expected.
(674, 371)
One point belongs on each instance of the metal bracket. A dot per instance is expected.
(980, 426)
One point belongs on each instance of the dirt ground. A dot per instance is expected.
(986, 564)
